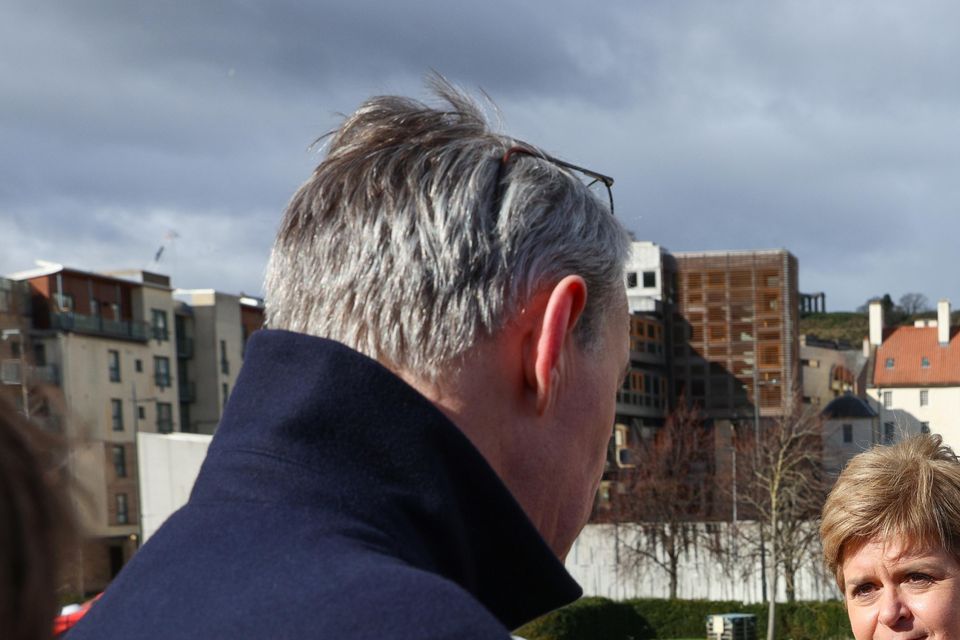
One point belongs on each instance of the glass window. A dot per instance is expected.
(649, 279)
(847, 433)
(889, 429)
(142, 413)
(925, 362)
(887, 399)
(164, 417)
(159, 325)
(924, 397)
(122, 515)
(161, 371)
(889, 363)
(64, 301)
(120, 460)
(138, 365)
(224, 363)
(116, 414)
(631, 279)
(113, 364)
(226, 393)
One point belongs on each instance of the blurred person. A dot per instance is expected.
(415, 443)
(891, 536)
(35, 528)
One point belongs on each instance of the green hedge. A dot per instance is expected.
(642, 619)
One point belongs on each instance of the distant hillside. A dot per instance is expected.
(842, 325)
(854, 327)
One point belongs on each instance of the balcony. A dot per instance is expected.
(10, 373)
(184, 348)
(187, 390)
(98, 326)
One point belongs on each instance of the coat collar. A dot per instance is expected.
(375, 452)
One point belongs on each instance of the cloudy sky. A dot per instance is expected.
(831, 129)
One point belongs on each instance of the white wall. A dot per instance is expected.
(601, 563)
(942, 411)
(644, 256)
(169, 465)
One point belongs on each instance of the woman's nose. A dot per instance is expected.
(893, 608)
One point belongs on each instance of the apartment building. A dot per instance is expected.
(212, 330)
(736, 332)
(914, 376)
(108, 338)
(830, 369)
(17, 373)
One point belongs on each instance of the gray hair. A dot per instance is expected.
(393, 246)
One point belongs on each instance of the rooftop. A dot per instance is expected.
(912, 357)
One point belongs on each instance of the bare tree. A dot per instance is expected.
(785, 489)
(664, 494)
(914, 303)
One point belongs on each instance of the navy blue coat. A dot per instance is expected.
(335, 502)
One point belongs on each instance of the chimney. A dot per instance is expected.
(876, 323)
(866, 347)
(943, 322)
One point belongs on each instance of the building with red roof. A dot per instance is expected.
(914, 376)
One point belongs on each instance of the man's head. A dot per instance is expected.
(475, 274)
(393, 247)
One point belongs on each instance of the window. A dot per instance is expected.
(159, 325)
(847, 433)
(887, 399)
(649, 278)
(925, 362)
(226, 393)
(113, 364)
(39, 354)
(889, 363)
(224, 363)
(924, 397)
(888, 431)
(924, 427)
(631, 279)
(164, 417)
(116, 414)
(64, 301)
(120, 460)
(141, 413)
(122, 515)
(94, 308)
(161, 371)
(138, 365)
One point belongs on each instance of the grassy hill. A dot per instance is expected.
(841, 325)
(854, 327)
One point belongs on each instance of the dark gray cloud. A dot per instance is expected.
(826, 128)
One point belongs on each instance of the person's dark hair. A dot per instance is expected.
(35, 526)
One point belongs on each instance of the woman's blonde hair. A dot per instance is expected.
(910, 489)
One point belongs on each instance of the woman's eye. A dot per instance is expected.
(861, 590)
(919, 578)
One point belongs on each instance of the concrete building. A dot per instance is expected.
(18, 372)
(108, 337)
(736, 332)
(850, 426)
(830, 369)
(651, 274)
(212, 331)
(914, 376)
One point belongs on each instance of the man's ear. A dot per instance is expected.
(542, 366)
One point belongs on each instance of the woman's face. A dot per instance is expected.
(896, 592)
